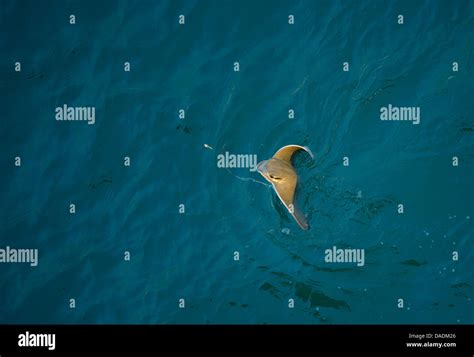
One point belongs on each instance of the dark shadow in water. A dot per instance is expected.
(235, 304)
(463, 290)
(184, 128)
(104, 180)
(413, 262)
(35, 76)
(287, 286)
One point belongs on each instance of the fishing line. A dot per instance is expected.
(248, 179)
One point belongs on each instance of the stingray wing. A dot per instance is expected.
(286, 189)
(286, 192)
(286, 152)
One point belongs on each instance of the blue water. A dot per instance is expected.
(191, 67)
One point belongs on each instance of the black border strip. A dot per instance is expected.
(258, 338)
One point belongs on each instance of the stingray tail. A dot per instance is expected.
(300, 218)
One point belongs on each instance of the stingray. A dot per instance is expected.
(282, 175)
